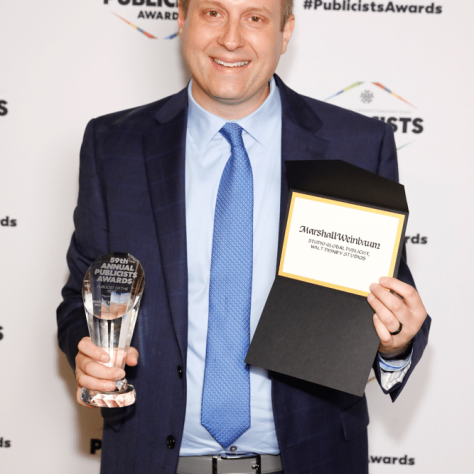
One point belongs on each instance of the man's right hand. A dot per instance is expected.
(92, 374)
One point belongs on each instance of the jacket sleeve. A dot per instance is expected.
(388, 168)
(89, 241)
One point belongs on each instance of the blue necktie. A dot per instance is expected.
(225, 410)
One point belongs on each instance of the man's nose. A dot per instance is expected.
(232, 36)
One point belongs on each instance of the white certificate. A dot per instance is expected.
(338, 244)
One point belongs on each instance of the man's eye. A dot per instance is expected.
(213, 13)
(255, 19)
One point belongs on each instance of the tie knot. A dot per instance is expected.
(232, 132)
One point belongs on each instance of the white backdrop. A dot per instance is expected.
(62, 63)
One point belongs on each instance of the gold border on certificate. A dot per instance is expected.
(401, 221)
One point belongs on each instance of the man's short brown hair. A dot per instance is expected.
(286, 10)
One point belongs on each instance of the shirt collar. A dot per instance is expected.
(203, 126)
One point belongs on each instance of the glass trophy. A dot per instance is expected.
(112, 291)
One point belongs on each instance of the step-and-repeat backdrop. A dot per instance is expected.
(406, 62)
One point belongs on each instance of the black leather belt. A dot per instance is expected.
(234, 464)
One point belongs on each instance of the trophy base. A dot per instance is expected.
(124, 396)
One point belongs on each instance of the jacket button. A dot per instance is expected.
(170, 442)
(180, 372)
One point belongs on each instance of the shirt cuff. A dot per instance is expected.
(395, 364)
(389, 379)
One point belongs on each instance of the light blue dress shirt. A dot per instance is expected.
(207, 152)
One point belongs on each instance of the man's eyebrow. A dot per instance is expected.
(211, 3)
(259, 9)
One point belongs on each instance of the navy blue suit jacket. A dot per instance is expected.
(132, 199)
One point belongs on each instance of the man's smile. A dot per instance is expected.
(229, 64)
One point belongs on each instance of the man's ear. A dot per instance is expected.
(287, 32)
(181, 19)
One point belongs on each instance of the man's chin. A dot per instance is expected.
(227, 92)
(229, 99)
(231, 96)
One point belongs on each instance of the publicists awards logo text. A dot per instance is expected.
(3, 107)
(375, 100)
(7, 221)
(403, 460)
(154, 19)
(364, 6)
(5, 443)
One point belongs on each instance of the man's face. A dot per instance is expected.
(232, 48)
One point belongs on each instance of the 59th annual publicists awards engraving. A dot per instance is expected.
(112, 291)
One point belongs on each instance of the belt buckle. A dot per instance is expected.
(257, 466)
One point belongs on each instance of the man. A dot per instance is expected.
(157, 181)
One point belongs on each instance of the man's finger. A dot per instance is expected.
(93, 383)
(88, 348)
(407, 292)
(392, 302)
(132, 357)
(97, 370)
(382, 331)
(385, 315)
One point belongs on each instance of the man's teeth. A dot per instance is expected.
(222, 63)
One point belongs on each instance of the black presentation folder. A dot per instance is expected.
(311, 332)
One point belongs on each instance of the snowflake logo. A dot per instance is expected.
(367, 97)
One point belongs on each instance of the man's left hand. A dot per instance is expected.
(403, 306)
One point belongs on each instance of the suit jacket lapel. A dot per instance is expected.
(300, 125)
(164, 148)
